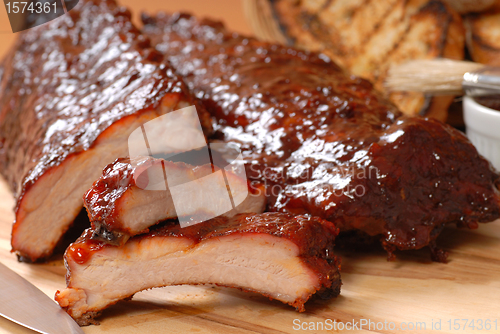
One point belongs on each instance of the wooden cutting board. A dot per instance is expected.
(411, 289)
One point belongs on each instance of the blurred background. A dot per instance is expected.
(230, 11)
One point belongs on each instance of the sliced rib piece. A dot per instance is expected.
(126, 200)
(280, 256)
(325, 142)
(71, 92)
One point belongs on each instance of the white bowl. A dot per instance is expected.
(483, 129)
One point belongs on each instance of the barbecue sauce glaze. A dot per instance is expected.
(325, 142)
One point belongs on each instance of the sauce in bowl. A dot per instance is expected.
(489, 101)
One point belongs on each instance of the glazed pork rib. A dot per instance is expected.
(126, 200)
(324, 142)
(280, 256)
(71, 92)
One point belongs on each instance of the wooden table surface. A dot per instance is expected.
(412, 289)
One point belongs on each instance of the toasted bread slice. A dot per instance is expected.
(483, 36)
(368, 36)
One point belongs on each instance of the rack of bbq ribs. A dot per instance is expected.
(323, 153)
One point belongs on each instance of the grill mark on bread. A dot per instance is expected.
(326, 4)
(484, 43)
(313, 23)
(426, 105)
(366, 60)
(399, 52)
(315, 6)
(338, 16)
(401, 39)
(354, 14)
(439, 7)
(290, 40)
(377, 25)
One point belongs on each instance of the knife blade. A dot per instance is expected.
(24, 304)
